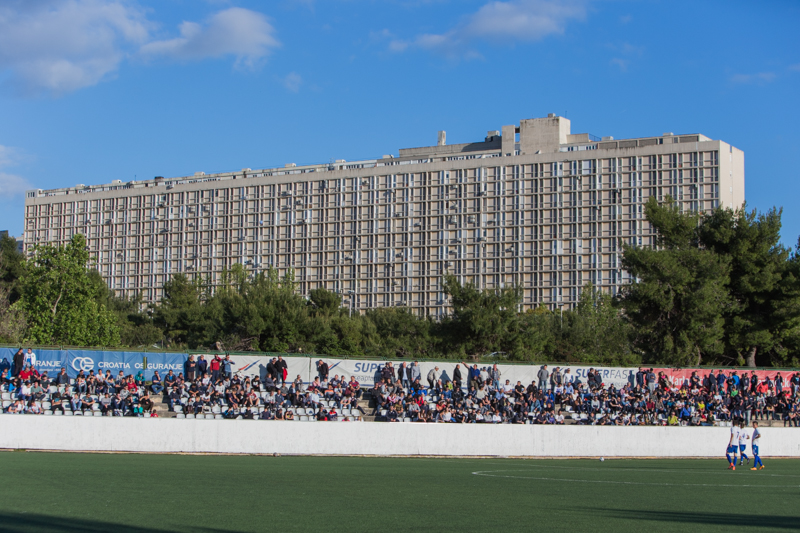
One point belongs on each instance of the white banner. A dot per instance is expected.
(368, 372)
(249, 365)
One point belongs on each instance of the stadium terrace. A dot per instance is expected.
(459, 393)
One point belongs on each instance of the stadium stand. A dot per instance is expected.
(713, 399)
(400, 396)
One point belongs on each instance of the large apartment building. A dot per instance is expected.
(532, 205)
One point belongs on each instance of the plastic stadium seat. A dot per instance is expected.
(300, 411)
(46, 413)
(52, 388)
(180, 415)
(216, 410)
(98, 413)
(67, 412)
(218, 417)
(6, 396)
(46, 405)
(190, 415)
(383, 412)
(240, 417)
(57, 413)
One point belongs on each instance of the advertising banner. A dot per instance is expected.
(127, 362)
(365, 372)
(50, 361)
(368, 372)
(249, 365)
(678, 376)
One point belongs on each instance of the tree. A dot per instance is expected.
(598, 330)
(678, 299)
(12, 268)
(181, 314)
(399, 333)
(750, 243)
(60, 299)
(483, 321)
(325, 301)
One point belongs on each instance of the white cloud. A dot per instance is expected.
(627, 50)
(795, 67)
(501, 22)
(621, 63)
(760, 78)
(6, 155)
(292, 82)
(11, 184)
(59, 46)
(244, 34)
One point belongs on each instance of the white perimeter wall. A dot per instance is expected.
(365, 438)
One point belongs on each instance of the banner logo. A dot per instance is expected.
(83, 363)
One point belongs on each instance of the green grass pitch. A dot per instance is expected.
(70, 492)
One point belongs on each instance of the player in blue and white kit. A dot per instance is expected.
(733, 446)
(757, 464)
(743, 436)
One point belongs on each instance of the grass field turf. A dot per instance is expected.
(59, 492)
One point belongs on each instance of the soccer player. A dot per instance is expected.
(733, 446)
(757, 464)
(743, 436)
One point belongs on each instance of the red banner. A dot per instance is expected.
(678, 376)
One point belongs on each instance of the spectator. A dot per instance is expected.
(226, 367)
(433, 376)
(19, 362)
(322, 370)
(155, 384)
(495, 375)
(30, 358)
(283, 369)
(214, 366)
(202, 366)
(62, 378)
(543, 375)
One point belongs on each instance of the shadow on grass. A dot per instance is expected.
(26, 522)
(707, 518)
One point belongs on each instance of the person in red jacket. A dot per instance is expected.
(214, 365)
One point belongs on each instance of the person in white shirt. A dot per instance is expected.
(743, 438)
(30, 358)
(733, 447)
(755, 441)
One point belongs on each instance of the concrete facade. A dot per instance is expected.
(533, 205)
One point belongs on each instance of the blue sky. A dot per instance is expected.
(96, 90)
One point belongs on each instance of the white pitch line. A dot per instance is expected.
(625, 469)
(491, 473)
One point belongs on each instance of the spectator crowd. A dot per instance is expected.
(481, 395)
(210, 389)
(206, 389)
